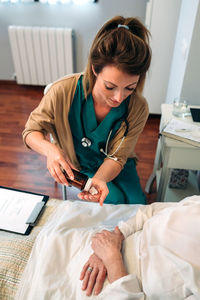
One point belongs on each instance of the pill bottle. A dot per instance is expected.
(80, 181)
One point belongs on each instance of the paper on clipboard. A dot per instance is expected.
(184, 130)
(15, 209)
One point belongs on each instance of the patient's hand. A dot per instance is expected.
(93, 279)
(107, 243)
(107, 246)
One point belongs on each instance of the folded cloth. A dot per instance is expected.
(178, 179)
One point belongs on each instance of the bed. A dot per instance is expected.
(15, 249)
(60, 244)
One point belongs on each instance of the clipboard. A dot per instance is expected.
(20, 210)
(183, 132)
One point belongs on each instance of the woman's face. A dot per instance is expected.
(113, 86)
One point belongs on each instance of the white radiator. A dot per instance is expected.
(41, 54)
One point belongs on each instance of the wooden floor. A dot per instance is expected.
(23, 169)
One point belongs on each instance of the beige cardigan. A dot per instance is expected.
(51, 116)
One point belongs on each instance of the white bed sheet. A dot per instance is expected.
(70, 240)
(161, 250)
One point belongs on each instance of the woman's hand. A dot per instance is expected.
(107, 171)
(107, 244)
(101, 188)
(93, 280)
(56, 161)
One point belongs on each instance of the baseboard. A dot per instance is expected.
(12, 82)
(154, 116)
(15, 85)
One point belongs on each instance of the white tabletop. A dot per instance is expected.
(167, 115)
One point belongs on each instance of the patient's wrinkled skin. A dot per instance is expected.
(93, 280)
(107, 259)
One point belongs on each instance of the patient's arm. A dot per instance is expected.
(107, 245)
(95, 279)
(144, 213)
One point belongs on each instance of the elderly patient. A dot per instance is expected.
(166, 254)
(155, 255)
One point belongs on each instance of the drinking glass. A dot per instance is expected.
(180, 107)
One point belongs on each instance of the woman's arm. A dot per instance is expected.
(137, 117)
(106, 172)
(54, 155)
(56, 160)
(138, 113)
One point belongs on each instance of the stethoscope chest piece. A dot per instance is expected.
(86, 142)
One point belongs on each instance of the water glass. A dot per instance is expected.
(180, 107)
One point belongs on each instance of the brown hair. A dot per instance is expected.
(127, 49)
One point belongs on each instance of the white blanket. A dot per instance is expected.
(63, 247)
(161, 251)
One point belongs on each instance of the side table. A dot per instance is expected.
(173, 154)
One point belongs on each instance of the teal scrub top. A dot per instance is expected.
(125, 188)
(81, 114)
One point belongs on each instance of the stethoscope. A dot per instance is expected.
(86, 142)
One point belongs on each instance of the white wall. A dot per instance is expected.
(191, 82)
(163, 21)
(84, 19)
(182, 52)
(175, 68)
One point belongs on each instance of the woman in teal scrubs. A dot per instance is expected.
(96, 117)
(125, 188)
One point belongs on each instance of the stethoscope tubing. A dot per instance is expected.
(86, 142)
